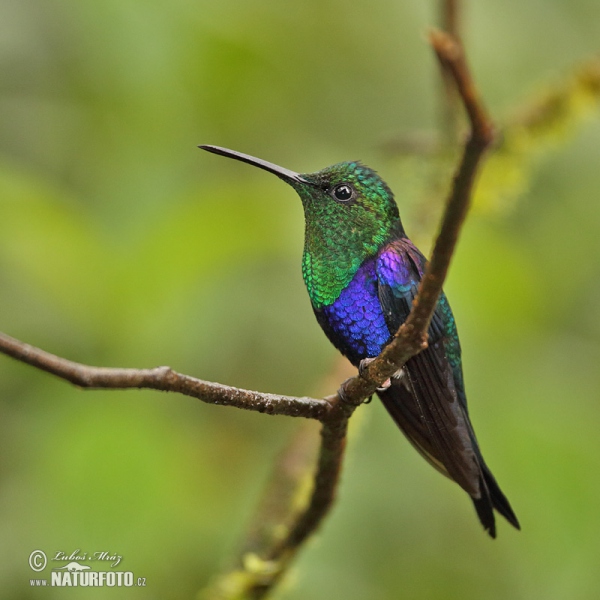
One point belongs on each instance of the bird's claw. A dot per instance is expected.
(385, 385)
(362, 366)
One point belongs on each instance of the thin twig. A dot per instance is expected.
(286, 492)
(333, 442)
(450, 22)
(450, 17)
(163, 379)
(326, 479)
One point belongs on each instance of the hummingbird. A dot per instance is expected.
(362, 274)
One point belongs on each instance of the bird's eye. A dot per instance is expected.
(342, 192)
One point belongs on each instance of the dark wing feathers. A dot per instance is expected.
(424, 401)
(430, 417)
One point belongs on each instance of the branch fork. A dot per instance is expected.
(333, 412)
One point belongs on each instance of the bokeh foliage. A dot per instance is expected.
(121, 244)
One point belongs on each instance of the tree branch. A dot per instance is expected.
(411, 337)
(450, 17)
(450, 22)
(285, 492)
(333, 412)
(165, 380)
(333, 443)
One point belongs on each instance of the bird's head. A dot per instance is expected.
(350, 214)
(347, 202)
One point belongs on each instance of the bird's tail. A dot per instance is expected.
(492, 498)
(440, 429)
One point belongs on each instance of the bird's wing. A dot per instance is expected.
(423, 398)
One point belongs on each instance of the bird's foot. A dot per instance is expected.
(399, 375)
(385, 385)
(362, 366)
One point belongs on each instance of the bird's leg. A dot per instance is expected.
(362, 365)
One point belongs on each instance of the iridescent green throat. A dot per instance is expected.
(340, 236)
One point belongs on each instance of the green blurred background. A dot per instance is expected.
(121, 244)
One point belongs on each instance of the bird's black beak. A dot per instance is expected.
(285, 174)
